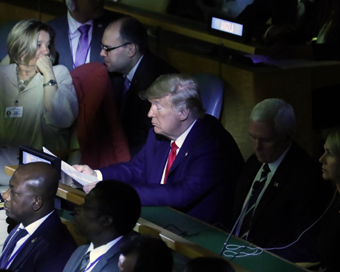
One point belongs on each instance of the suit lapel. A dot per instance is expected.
(63, 44)
(162, 149)
(188, 144)
(33, 240)
(97, 33)
(78, 258)
(275, 185)
(112, 252)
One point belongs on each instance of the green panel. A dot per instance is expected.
(213, 239)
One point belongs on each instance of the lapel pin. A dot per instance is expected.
(186, 154)
(33, 240)
(276, 184)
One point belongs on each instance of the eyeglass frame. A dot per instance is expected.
(107, 50)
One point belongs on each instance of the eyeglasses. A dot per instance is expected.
(108, 49)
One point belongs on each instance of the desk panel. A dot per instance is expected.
(200, 239)
(213, 239)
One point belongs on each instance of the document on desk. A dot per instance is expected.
(81, 178)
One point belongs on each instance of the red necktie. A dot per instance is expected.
(172, 157)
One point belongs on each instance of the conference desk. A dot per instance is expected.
(190, 236)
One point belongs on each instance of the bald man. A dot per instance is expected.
(133, 68)
(44, 243)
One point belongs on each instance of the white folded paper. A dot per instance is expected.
(82, 178)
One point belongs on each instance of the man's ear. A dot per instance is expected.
(37, 203)
(106, 220)
(184, 114)
(132, 49)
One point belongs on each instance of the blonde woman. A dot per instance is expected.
(38, 102)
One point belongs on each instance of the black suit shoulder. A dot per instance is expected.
(47, 249)
(134, 110)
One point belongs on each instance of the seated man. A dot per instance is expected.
(133, 69)
(290, 20)
(204, 164)
(78, 34)
(40, 242)
(145, 253)
(280, 193)
(109, 213)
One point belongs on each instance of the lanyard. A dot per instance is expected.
(93, 263)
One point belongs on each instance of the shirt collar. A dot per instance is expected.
(73, 25)
(133, 70)
(97, 252)
(31, 228)
(274, 165)
(180, 140)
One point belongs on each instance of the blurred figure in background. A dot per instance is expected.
(80, 31)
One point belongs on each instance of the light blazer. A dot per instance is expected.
(62, 43)
(48, 248)
(202, 179)
(294, 199)
(108, 263)
(132, 109)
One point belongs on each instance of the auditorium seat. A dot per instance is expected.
(211, 88)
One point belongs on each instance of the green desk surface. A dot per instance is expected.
(213, 239)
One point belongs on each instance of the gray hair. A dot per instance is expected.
(183, 91)
(22, 41)
(277, 110)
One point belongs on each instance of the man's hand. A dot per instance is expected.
(84, 169)
(88, 187)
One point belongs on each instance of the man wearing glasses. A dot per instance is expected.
(133, 69)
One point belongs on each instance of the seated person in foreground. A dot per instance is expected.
(280, 192)
(145, 253)
(40, 242)
(107, 216)
(38, 102)
(330, 223)
(204, 264)
(204, 164)
(133, 68)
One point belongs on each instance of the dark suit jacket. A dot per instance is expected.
(108, 263)
(132, 109)
(62, 42)
(48, 249)
(202, 179)
(295, 198)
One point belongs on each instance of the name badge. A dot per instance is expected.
(14, 112)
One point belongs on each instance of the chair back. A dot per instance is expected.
(211, 88)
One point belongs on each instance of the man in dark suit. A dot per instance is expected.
(45, 244)
(68, 35)
(108, 215)
(189, 162)
(133, 69)
(290, 20)
(280, 192)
